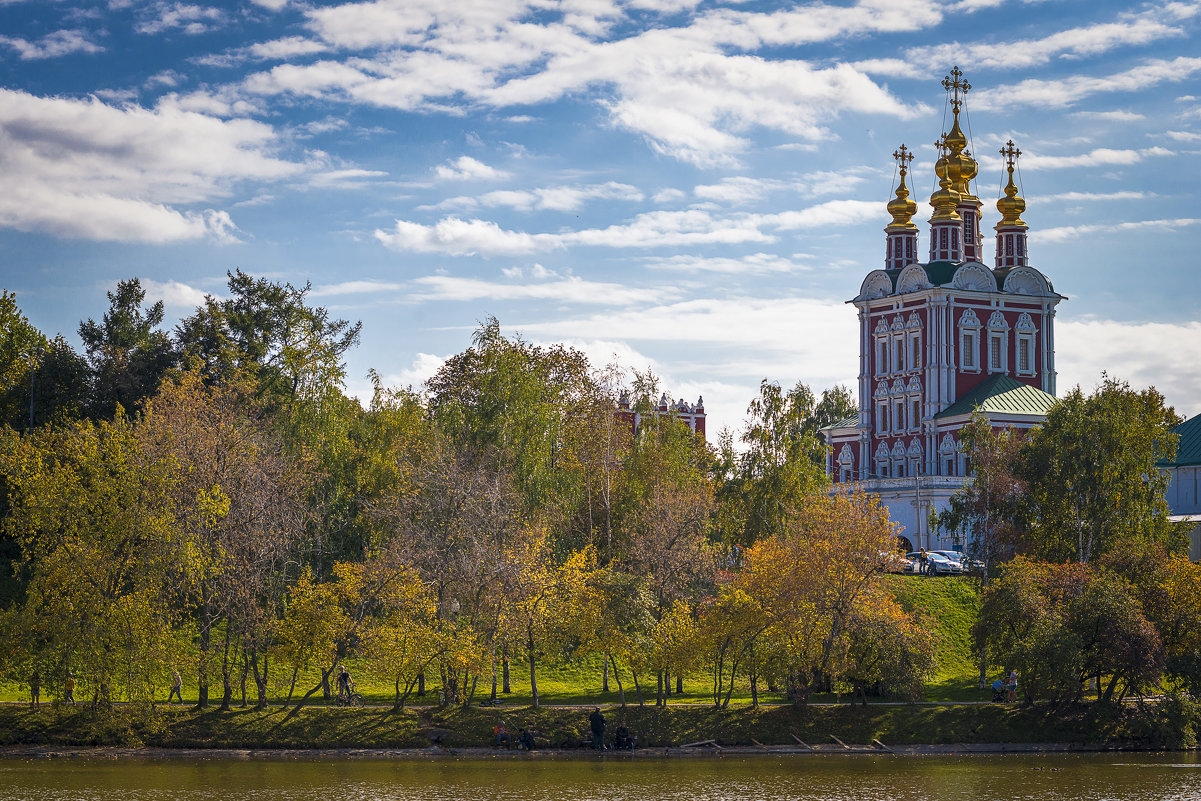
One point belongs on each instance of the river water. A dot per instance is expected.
(1084, 777)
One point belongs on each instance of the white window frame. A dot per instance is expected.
(998, 334)
(969, 342)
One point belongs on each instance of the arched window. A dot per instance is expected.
(998, 343)
(846, 464)
(1025, 333)
(969, 342)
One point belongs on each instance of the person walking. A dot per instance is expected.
(176, 687)
(69, 689)
(35, 689)
(596, 722)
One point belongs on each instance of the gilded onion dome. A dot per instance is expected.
(1011, 206)
(901, 207)
(945, 198)
(961, 167)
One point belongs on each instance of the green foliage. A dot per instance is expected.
(1064, 626)
(127, 353)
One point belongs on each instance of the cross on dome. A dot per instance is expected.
(955, 84)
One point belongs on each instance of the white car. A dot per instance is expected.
(938, 564)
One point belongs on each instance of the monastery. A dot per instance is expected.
(940, 338)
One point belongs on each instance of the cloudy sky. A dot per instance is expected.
(697, 186)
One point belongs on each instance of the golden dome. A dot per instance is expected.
(1011, 206)
(946, 197)
(901, 207)
(961, 167)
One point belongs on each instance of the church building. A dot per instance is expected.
(941, 338)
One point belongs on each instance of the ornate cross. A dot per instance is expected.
(903, 157)
(955, 84)
(1011, 153)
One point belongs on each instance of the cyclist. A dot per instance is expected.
(345, 684)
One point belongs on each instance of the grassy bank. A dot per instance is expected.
(1168, 725)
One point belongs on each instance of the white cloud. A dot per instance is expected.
(1099, 157)
(273, 5)
(349, 178)
(554, 198)
(680, 87)
(571, 289)
(669, 195)
(52, 45)
(356, 288)
(173, 293)
(1116, 115)
(1066, 91)
(1183, 136)
(82, 168)
(1075, 231)
(287, 47)
(1084, 197)
(455, 236)
(186, 17)
(754, 263)
(1164, 355)
(465, 168)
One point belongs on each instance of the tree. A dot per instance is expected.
(1091, 472)
(811, 579)
(126, 352)
(888, 651)
(92, 513)
(783, 461)
(1063, 625)
(239, 505)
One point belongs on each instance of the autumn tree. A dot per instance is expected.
(238, 502)
(1064, 625)
(92, 513)
(811, 580)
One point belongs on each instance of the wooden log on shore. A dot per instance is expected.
(802, 742)
(834, 737)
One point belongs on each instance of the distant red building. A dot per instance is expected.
(692, 414)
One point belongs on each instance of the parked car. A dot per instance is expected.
(939, 564)
(969, 565)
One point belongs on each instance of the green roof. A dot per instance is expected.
(1188, 451)
(848, 422)
(1001, 394)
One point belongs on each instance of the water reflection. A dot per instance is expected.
(1091, 777)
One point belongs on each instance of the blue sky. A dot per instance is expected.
(697, 187)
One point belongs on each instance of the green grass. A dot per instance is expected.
(950, 605)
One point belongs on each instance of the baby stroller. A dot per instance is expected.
(998, 692)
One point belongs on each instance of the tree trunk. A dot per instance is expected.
(754, 691)
(637, 686)
(227, 687)
(679, 684)
(421, 684)
(492, 697)
(260, 680)
(202, 678)
(660, 699)
(504, 668)
(617, 677)
(292, 686)
(605, 675)
(245, 676)
(533, 673)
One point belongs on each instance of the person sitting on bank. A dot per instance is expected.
(500, 735)
(526, 741)
(622, 740)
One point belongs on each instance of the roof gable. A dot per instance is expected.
(1188, 450)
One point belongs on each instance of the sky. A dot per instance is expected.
(688, 186)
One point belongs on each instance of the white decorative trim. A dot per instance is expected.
(882, 326)
(876, 285)
(1026, 323)
(1026, 281)
(997, 322)
(915, 448)
(974, 276)
(912, 279)
(948, 447)
(846, 456)
(914, 322)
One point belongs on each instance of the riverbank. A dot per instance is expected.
(1170, 724)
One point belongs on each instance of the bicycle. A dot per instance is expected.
(353, 699)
